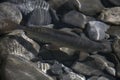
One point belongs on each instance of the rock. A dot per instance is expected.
(55, 4)
(19, 69)
(88, 7)
(85, 70)
(114, 31)
(56, 69)
(95, 30)
(19, 47)
(10, 11)
(115, 2)
(104, 64)
(27, 6)
(72, 76)
(93, 78)
(75, 18)
(111, 15)
(103, 78)
(39, 17)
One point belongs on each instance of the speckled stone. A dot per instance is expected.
(111, 15)
(10, 11)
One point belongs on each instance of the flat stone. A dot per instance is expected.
(85, 69)
(88, 7)
(111, 15)
(75, 18)
(95, 30)
(10, 11)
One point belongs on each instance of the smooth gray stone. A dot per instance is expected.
(103, 78)
(39, 17)
(85, 69)
(55, 4)
(88, 7)
(56, 69)
(114, 30)
(115, 2)
(95, 30)
(111, 15)
(103, 64)
(75, 18)
(10, 11)
(70, 75)
(19, 69)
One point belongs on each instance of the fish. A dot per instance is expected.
(56, 37)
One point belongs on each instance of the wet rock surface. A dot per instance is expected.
(59, 40)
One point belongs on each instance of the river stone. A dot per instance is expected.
(27, 6)
(103, 78)
(19, 47)
(75, 18)
(17, 68)
(111, 15)
(55, 4)
(85, 69)
(103, 64)
(10, 11)
(88, 7)
(115, 2)
(39, 17)
(72, 76)
(114, 30)
(95, 30)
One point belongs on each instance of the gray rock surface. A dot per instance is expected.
(75, 18)
(10, 11)
(88, 7)
(96, 30)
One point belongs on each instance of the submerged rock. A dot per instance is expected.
(10, 11)
(75, 18)
(19, 47)
(85, 70)
(96, 30)
(57, 3)
(88, 7)
(19, 69)
(27, 6)
(111, 15)
(39, 17)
